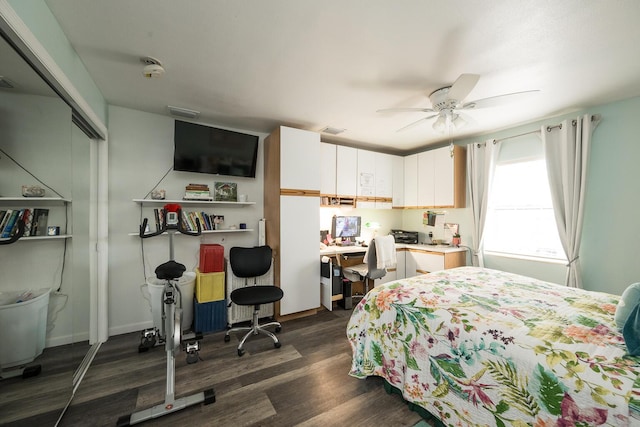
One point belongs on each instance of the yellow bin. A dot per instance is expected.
(209, 286)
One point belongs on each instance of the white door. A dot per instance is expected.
(299, 261)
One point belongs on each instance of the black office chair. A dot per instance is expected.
(250, 263)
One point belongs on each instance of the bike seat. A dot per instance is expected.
(170, 270)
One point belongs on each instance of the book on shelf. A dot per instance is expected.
(39, 222)
(10, 223)
(4, 217)
(28, 222)
(197, 195)
(156, 215)
(197, 187)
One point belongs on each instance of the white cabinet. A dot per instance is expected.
(384, 181)
(375, 180)
(298, 169)
(441, 178)
(366, 184)
(411, 181)
(346, 171)
(292, 213)
(419, 261)
(328, 169)
(426, 182)
(398, 181)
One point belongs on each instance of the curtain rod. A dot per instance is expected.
(594, 117)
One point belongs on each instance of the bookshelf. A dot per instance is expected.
(187, 204)
(33, 203)
(152, 202)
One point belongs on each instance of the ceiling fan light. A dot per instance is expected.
(458, 122)
(440, 124)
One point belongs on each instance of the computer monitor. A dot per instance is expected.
(346, 227)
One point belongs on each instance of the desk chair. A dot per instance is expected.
(250, 263)
(364, 271)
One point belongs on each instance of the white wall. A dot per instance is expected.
(140, 153)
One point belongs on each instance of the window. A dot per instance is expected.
(520, 220)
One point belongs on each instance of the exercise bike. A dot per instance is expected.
(170, 332)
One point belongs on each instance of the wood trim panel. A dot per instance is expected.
(298, 315)
(299, 192)
(271, 194)
(459, 176)
(455, 259)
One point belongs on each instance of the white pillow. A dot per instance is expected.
(629, 299)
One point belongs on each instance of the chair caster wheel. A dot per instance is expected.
(278, 328)
(240, 352)
(227, 338)
(277, 344)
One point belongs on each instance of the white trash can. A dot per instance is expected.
(23, 326)
(186, 284)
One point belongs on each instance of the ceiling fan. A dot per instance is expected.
(448, 105)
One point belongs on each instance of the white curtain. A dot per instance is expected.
(566, 150)
(481, 160)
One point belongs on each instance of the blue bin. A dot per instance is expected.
(210, 316)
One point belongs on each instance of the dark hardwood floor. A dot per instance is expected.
(305, 382)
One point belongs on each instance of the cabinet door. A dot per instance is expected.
(384, 175)
(327, 168)
(443, 176)
(425, 179)
(366, 185)
(426, 262)
(401, 257)
(398, 181)
(299, 154)
(346, 170)
(410, 266)
(299, 225)
(411, 180)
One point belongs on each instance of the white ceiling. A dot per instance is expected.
(255, 64)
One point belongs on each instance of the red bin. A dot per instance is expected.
(211, 258)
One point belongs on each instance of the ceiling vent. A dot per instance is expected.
(183, 112)
(5, 83)
(332, 131)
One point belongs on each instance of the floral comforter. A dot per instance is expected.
(482, 347)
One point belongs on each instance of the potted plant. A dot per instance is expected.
(455, 241)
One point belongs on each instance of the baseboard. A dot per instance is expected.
(132, 327)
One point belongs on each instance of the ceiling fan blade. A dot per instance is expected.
(406, 110)
(417, 122)
(463, 86)
(494, 101)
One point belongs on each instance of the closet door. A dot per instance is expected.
(299, 260)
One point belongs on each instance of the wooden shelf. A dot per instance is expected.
(193, 202)
(33, 200)
(237, 230)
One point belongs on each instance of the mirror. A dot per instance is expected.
(45, 281)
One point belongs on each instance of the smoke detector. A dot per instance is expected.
(153, 68)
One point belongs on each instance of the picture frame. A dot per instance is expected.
(225, 192)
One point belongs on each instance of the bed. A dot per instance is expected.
(478, 347)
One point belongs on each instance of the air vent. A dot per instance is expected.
(5, 83)
(183, 112)
(332, 131)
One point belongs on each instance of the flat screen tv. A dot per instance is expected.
(205, 149)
